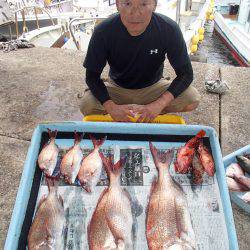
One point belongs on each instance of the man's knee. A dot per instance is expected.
(89, 105)
(191, 107)
(188, 101)
(194, 101)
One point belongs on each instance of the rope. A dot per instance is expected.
(15, 45)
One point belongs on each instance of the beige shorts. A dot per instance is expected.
(90, 105)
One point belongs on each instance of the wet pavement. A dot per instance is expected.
(40, 84)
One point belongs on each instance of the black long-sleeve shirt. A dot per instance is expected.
(137, 61)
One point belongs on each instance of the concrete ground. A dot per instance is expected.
(40, 84)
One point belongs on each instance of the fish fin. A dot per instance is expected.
(61, 200)
(127, 194)
(168, 156)
(154, 151)
(109, 166)
(86, 188)
(153, 185)
(97, 143)
(107, 161)
(117, 167)
(52, 134)
(162, 157)
(101, 196)
(178, 186)
(184, 223)
(77, 137)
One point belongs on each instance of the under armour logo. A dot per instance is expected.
(153, 51)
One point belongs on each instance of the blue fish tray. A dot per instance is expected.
(236, 196)
(29, 185)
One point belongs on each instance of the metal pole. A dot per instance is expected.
(178, 9)
(17, 33)
(188, 5)
(37, 22)
(10, 31)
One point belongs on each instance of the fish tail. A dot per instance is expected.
(97, 143)
(195, 140)
(52, 134)
(52, 183)
(201, 134)
(161, 157)
(110, 167)
(77, 137)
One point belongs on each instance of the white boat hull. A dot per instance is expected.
(235, 39)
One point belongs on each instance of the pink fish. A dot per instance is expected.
(185, 154)
(242, 180)
(71, 162)
(234, 168)
(47, 229)
(47, 159)
(111, 224)
(168, 222)
(234, 186)
(91, 167)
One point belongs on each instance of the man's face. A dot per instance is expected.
(136, 14)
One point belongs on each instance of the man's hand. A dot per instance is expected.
(147, 113)
(119, 113)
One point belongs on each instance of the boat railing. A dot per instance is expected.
(25, 9)
(81, 19)
(59, 5)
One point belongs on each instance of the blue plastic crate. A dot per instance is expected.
(29, 177)
(236, 196)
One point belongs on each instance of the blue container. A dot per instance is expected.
(236, 196)
(27, 193)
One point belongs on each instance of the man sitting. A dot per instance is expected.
(135, 43)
